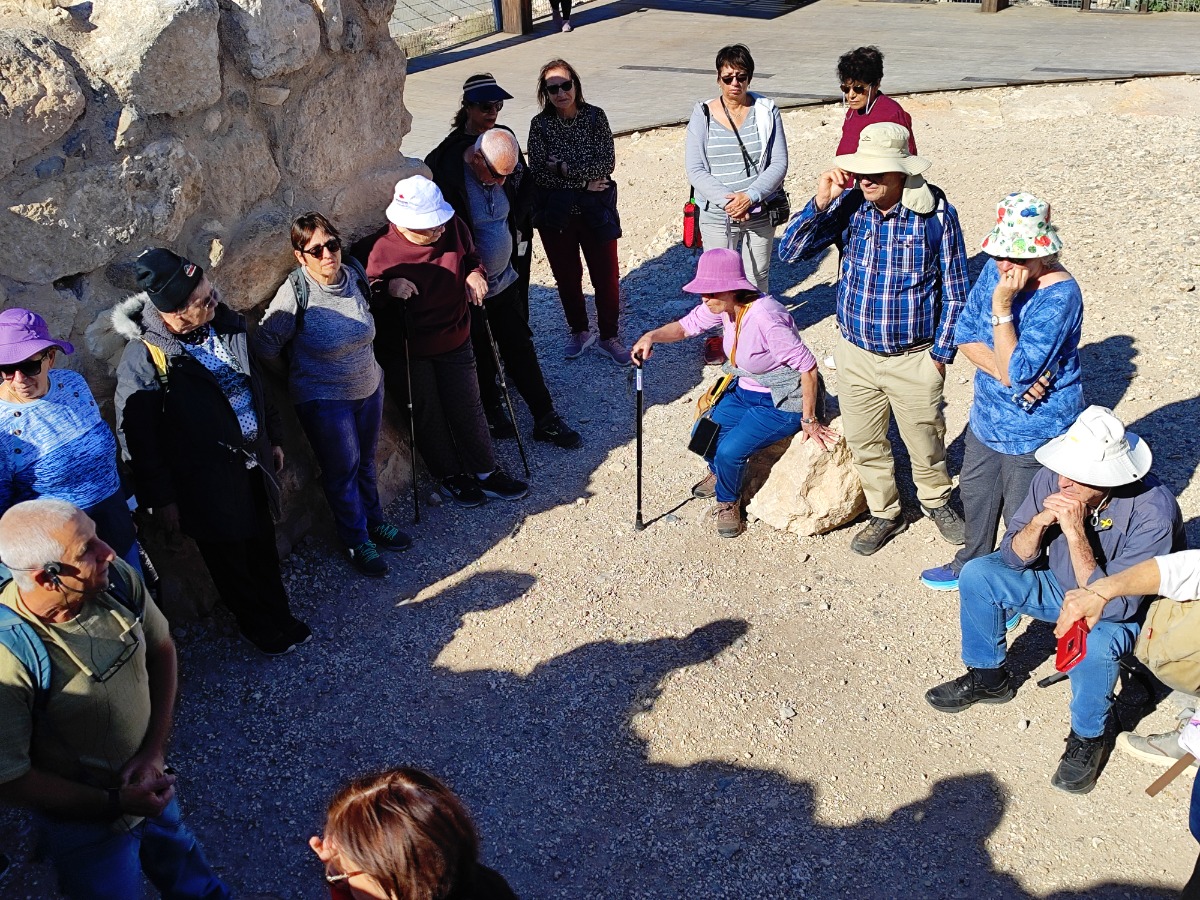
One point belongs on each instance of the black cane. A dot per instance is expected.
(504, 387)
(412, 423)
(638, 524)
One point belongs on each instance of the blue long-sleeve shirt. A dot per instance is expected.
(1141, 521)
(896, 292)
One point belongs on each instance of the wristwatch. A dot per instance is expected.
(1001, 320)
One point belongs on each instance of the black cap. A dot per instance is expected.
(167, 278)
(482, 87)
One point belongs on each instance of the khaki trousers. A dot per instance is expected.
(872, 388)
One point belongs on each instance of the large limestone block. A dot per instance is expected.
(161, 56)
(58, 308)
(239, 170)
(39, 96)
(271, 37)
(796, 486)
(78, 222)
(257, 259)
(357, 207)
(350, 121)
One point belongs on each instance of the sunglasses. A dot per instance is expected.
(341, 876)
(489, 106)
(739, 77)
(30, 368)
(333, 245)
(497, 176)
(565, 86)
(856, 88)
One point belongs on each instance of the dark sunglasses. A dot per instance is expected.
(498, 176)
(333, 245)
(856, 88)
(489, 106)
(739, 77)
(30, 368)
(565, 86)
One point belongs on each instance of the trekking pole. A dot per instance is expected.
(504, 387)
(638, 524)
(412, 424)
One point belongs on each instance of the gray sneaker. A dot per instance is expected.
(1160, 749)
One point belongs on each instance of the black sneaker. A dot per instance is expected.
(499, 424)
(499, 486)
(463, 490)
(389, 537)
(553, 429)
(1080, 764)
(876, 533)
(277, 644)
(297, 632)
(949, 523)
(967, 690)
(365, 557)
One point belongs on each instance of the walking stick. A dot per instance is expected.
(638, 524)
(412, 423)
(504, 387)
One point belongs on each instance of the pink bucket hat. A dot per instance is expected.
(719, 269)
(24, 333)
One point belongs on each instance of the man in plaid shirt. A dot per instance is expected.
(903, 282)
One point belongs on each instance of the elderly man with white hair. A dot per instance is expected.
(86, 700)
(1091, 512)
(488, 185)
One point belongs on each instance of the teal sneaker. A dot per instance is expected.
(940, 579)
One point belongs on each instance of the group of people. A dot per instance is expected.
(434, 308)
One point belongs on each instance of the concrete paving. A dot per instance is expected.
(647, 64)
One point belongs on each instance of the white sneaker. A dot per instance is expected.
(567, 26)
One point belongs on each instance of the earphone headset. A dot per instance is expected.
(53, 570)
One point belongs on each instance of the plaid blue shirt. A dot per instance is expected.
(894, 293)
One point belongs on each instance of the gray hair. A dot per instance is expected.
(499, 147)
(27, 537)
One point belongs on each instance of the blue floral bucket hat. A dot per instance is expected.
(1023, 229)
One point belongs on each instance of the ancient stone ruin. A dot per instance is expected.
(201, 125)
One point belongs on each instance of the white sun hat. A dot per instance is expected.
(418, 203)
(1097, 451)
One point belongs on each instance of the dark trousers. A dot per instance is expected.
(515, 341)
(246, 573)
(562, 7)
(990, 483)
(344, 435)
(452, 433)
(562, 252)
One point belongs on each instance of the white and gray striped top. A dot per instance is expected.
(725, 159)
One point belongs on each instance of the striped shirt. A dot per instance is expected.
(726, 162)
(896, 293)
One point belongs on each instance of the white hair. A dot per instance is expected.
(28, 537)
(498, 144)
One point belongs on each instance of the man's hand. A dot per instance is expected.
(1081, 603)
(144, 767)
(477, 288)
(1011, 283)
(737, 206)
(401, 288)
(1037, 390)
(148, 798)
(1069, 513)
(277, 458)
(940, 366)
(830, 184)
(168, 518)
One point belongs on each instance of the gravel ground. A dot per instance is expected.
(664, 714)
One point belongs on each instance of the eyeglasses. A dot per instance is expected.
(127, 652)
(856, 88)
(341, 876)
(739, 77)
(333, 245)
(565, 86)
(498, 176)
(30, 368)
(489, 106)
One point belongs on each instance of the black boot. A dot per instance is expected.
(499, 424)
(977, 686)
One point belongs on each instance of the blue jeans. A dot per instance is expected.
(344, 435)
(96, 862)
(990, 592)
(749, 421)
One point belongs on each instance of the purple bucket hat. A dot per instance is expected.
(24, 333)
(719, 269)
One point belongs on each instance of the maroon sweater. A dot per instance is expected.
(884, 109)
(438, 318)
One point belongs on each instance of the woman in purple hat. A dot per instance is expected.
(54, 441)
(778, 392)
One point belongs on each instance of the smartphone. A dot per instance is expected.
(1072, 647)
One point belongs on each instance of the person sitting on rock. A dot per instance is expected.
(778, 391)
(1092, 511)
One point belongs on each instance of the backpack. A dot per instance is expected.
(1169, 643)
(22, 640)
(300, 286)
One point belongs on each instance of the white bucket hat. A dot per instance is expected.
(1097, 451)
(1023, 229)
(882, 147)
(417, 203)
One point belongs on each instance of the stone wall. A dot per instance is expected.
(201, 125)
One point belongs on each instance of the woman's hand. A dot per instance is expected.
(738, 206)
(277, 458)
(825, 436)
(401, 288)
(1011, 283)
(643, 349)
(553, 164)
(477, 288)
(598, 184)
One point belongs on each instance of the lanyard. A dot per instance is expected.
(737, 330)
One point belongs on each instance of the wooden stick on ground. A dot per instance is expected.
(1171, 774)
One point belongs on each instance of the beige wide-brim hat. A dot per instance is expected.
(1097, 451)
(882, 147)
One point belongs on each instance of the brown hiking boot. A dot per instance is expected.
(729, 519)
(706, 489)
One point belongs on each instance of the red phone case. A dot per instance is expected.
(1072, 647)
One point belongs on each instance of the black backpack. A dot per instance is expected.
(300, 286)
